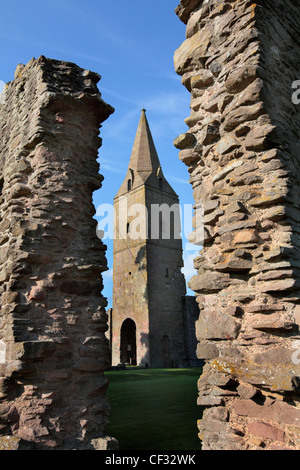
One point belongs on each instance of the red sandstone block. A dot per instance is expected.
(267, 431)
(37, 294)
(279, 412)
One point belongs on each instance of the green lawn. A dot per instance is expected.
(154, 409)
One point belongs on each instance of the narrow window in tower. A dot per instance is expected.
(160, 226)
(160, 183)
(148, 229)
(129, 184)
(128, 228)
(172, 226)
(167, 272)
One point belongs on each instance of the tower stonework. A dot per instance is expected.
(148, 286)
(240, 61)
(53, 349)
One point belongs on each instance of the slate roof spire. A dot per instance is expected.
(144, 166)
(144, 157)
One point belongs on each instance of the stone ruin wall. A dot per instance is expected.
(239, 61)
(53, 349)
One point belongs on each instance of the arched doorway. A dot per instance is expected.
(128, 342)
(166, 351)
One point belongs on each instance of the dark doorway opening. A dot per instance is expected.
(128, 342)
(166, 351)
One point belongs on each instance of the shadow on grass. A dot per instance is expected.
(154, 409)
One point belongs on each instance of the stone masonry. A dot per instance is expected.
(53, 349)
(239, 62)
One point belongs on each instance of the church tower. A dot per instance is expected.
(147, 324)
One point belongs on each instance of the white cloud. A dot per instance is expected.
(75, 53)
(108, 274)
(119, 96)
(176, 179)
(113, 169)
(188, 270)
(169, 104)
(2, 84)
(121, 129)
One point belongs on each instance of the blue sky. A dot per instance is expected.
(131, 44)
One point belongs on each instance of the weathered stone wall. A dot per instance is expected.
(242, 151)
(53, 349)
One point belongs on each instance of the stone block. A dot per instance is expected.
(266, 431)
(216, 325)
(193, 48)
(241, 77)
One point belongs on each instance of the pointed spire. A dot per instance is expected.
(144, 157)
(144, 165)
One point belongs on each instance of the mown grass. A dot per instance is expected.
(154, 409)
